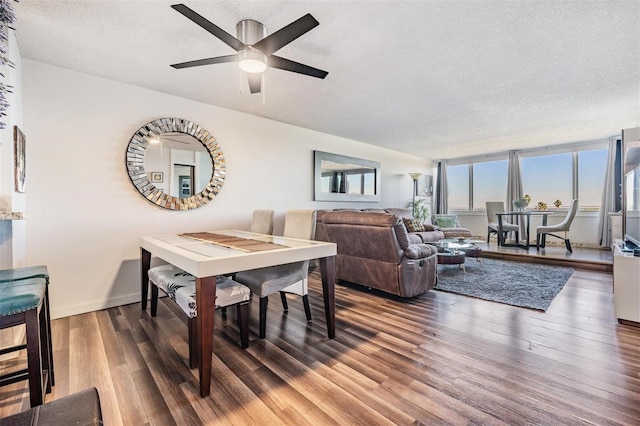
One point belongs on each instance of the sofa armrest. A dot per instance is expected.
(420, 251)
(414, 239)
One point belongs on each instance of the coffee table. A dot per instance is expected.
(451, 257)
(454, 251)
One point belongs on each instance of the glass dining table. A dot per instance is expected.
(526, 215)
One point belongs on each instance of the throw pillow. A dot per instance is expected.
(412, 225)
(446, 222)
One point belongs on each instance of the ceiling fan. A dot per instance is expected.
(255, 49)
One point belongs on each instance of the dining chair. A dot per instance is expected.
(287, 278)
(180, 286)
(262, 221)
(493, 207)
(304, 227)
(564, 226)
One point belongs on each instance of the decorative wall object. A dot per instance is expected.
(157, 177)
(7, 17)
(342, 178)
(425, 186)
(19, 150)
(153, 132)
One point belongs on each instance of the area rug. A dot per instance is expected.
(521, 284)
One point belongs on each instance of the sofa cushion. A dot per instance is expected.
(457, 233)
(429, 236)
(446, 221)
(413, 225)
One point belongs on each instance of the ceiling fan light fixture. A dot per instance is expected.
(252, 61)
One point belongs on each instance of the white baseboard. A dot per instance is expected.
(95, 306)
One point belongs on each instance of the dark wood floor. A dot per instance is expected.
(596, 259)
(438, 358)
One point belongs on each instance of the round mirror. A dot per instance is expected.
(175, 164)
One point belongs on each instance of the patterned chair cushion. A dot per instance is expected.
(180, 286)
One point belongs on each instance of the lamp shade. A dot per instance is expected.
(252, 61)
(415, 176)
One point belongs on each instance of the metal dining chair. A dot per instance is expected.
(564, 226)
(493, 207)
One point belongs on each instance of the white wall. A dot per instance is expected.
(84, 214)
(12, 233)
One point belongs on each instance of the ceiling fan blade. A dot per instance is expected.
(286, 35)
(255, 81)
(289, 65)
(207, 61)
(209, 26)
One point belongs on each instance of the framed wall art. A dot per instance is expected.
(157, 177)
(19, 149)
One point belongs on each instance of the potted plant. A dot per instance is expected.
(557, 203)
(542, 205)
(422, 209)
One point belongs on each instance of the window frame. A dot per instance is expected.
(534, 152)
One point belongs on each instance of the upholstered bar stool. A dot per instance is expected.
(22, 302)
(38, 271)
(180, 286)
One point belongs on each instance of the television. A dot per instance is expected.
(631, 188)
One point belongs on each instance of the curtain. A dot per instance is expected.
(442, 192)
(608, 200)
(514, 180)
(514, 187)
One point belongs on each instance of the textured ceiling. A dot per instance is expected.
(438, 79)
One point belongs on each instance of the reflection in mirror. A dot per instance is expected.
(347, 178)
(342, 178)
(179, 156)
(175, 164)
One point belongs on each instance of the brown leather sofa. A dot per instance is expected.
(431, 234)
(374, 251)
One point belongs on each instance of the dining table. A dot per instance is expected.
(526, 214)
(229, 252)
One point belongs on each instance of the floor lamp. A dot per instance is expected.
(415, 177)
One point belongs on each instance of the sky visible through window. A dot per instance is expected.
(545, 178)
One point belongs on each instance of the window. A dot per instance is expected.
(592, 166)
(489, 182)
(550, 174)
(547, 178)
(458, 184)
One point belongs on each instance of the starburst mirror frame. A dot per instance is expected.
(140, 178)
